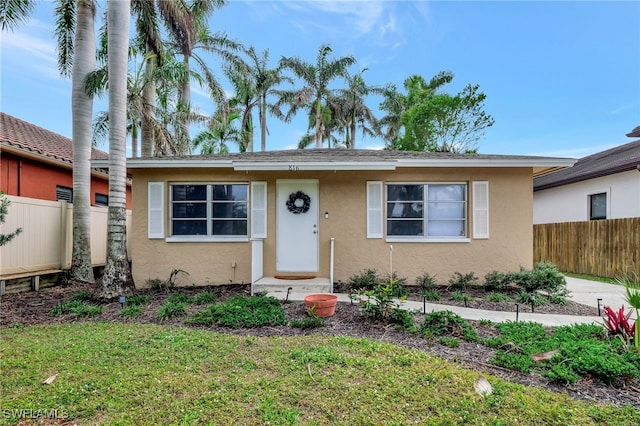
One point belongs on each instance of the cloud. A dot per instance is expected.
(576, 152)
(621, 109)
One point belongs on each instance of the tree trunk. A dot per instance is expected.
(84, 62)
(318, 125)
(117, 273)
(185, 95)
(149, 99)
(263, 125)
(352, 140)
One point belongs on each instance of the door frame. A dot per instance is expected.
(313, 209)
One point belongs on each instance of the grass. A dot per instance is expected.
(591, 278)
(149, 374)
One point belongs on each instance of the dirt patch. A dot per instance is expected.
(35, 308)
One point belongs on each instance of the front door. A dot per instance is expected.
(297, 226)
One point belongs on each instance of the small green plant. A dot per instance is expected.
(172, 309)
(486, 322)
(242, 312)
(631, 283)
(380, 304)
(137, 300)
(365, 280)
(497, 297)
(460, 296)
(178, 298)
(77, 308)
(82, 296)
(312, 320)
(430, 295)
(426, 282)
(526, 298)
(158, 284)
(204, 298)
(130, 311)
(450, 342)
(447, 323)
(398, 285)
(461, 282)
(545, 277)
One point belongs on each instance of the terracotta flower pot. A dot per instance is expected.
(324, 305)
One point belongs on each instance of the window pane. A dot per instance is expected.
(404, 227)
(230, 227)
(102, 199)
(453, 210)
(405, 192)
(447, 192)
(190, 210)
(189, 227)
(409, 210)
(189, 192)
(446, 228)
(229, 210)
(230, 192)
(598, 206)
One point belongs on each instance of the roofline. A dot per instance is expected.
(540, 164)
(54, 161)
(601, 173)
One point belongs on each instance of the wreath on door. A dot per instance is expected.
(298, 202)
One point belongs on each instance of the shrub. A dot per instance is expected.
(460, 281)
(172, 309)
(526, 298)
(513, 361)
(441, 323)
(178, 298)
(450, 342)
(137, 300)
(242, 312)
(426, 281)
(204, 298)
(543, 277)
(381, 304)
(496, 281)
(398, 285)
(497, 297)
(460, 296)
(366, 280)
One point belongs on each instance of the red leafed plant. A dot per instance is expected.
(617, 322)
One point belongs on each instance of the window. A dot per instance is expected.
(102, 200)
(598, 206)
(427, 210)
(64, 193)
(209, 210)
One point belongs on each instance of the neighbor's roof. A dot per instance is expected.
(344, 159)
(635, 133)
(615, 160)
(23, 138)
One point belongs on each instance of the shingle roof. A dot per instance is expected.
(615, 160)
(29, 137)
(635, 133)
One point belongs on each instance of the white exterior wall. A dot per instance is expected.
(570, 203)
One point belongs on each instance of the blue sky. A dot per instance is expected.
(561, 78)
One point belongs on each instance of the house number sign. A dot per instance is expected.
(293, 168)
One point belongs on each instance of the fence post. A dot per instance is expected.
(63, 233)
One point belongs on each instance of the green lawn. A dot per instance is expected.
(149, 374)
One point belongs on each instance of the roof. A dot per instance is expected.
(343, 159)
(635, 133)
(615, 160)
(31, 139)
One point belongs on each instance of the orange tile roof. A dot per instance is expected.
(21, 134)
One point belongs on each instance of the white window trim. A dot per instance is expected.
(425, 239)
(606, 191)
(208, 238)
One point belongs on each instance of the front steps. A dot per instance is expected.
(278, 287)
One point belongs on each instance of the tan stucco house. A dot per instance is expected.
(237, 218)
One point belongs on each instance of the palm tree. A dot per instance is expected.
(220, 131)
(350, 102)
(116, 271)
(15, 12)
(314, 93)
(245, 99)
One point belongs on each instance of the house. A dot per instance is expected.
(38, 163)
(238, 218)
(605, 185)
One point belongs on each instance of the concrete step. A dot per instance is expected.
(275, 286)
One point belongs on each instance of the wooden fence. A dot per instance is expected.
(604, 248)
(47, 236)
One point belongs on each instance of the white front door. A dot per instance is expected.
(297, 226)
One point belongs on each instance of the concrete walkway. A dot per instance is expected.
(582, 291)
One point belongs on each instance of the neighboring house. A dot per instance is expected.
(331, 213)
(37, 163)
(605, 185)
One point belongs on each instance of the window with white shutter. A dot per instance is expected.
(374, 209)
(258, 209)
(480, 209)
(156, 210)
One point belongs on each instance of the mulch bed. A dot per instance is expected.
(34, 308)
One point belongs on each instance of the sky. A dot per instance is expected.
(562, 78)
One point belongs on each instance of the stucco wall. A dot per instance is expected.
(570, 203)
(343, 196)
